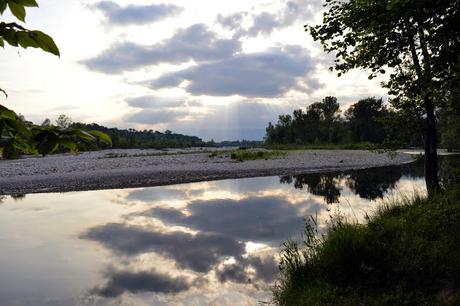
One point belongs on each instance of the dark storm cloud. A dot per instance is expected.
(136, 14)
(259, 219)
(198, 252)
(135, 282)
(195, 43)
(264, 74)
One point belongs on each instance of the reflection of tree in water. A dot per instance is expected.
(373, 183)
(369, 184)
(325, 185)
(18, 197)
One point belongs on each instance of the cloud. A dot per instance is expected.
(266, 270)
(198, 252)
(195, 43)
(152, 116)
(154, 102)
(264, 74)
(269, 219)
(136, 14)
(231, 22)
(135, 282)
(265, 23)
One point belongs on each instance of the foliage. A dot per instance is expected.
(366, 120)
(320, 123)
(17, 135)
(402, 35)
(417, 41)
(16, 35)
(406, 255)
(131, 138)
(63, 121)
(319, 146)
(367, 123)
(450, 124)
(21, 137)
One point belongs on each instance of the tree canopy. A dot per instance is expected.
(415, 41)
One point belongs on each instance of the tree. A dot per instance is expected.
(366, 120)
(330, 110)
(416, 40)
(64, 121)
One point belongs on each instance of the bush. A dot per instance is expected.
(408, 254)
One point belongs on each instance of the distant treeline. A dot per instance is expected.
(131, 138)
(149, 139)
(367, 121)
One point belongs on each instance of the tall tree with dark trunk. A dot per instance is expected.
(417, 41)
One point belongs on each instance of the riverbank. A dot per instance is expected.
(407, 254)
(114, 169)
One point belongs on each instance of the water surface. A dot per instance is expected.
(210, 243)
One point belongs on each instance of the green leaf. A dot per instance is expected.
(10, 37)
(72, 146)
(25, 40)
(6, 113)
(83, 135)
(28, 3)
(2, 6)
(17, 10)
(45, 42)
(2, 42)
(102, 137)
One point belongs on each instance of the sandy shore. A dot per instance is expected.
(136, 168)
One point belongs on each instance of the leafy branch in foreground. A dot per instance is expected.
(18, 136)
(17, 35)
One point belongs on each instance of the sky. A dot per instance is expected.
(215, 69)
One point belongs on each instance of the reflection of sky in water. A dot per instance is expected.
(211, 243)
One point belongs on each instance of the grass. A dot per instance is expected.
(238, 155)
(347, 146)
(407, 254)
(243, 155)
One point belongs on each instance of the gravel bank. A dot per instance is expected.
(93, 170)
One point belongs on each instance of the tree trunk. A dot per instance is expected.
(431, 145)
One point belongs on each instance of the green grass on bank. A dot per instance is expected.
(408, 254)
(243, 155)
(347, 146)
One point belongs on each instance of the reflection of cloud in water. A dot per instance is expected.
(265, 269)
(226, 216)
(266, 219)
(198, 252)
(135, 282)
